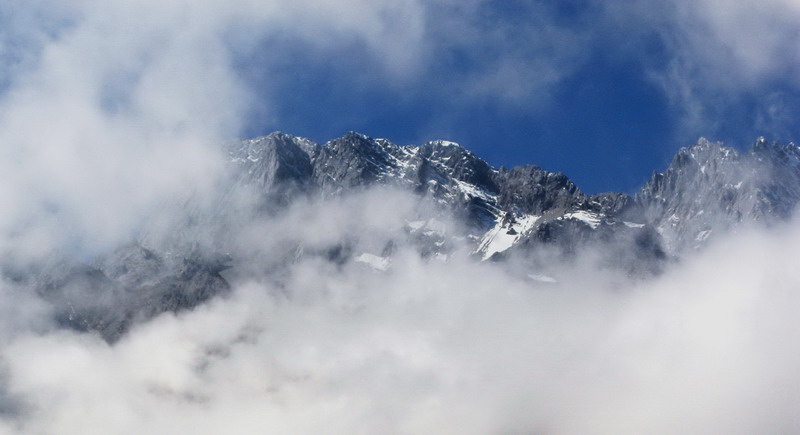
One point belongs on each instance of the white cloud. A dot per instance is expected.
(121, 110)
(717, 54)
(120, 105)
(433, 347)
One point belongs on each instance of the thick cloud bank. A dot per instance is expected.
(111, 118)
(430, 346)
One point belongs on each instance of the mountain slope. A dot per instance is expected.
(709, 189)
(524, 213)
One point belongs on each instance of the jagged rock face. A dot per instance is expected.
(777, 169)
(526, 207)
(634, 248)
(132, 283)
(532, 190)
(277, 164)
(350, 161)
(459, 164)
(696, 194)
(709, 188)
(619, 205)
(524, 212)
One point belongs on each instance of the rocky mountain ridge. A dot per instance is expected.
(708, 188)
(525, 213)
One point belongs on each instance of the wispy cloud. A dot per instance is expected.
(113, 108)
(112, 112)
(721, 57)
(432, 347)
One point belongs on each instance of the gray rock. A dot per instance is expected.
(709, 189)
(526, 213)
(277, 164)
(131, 284)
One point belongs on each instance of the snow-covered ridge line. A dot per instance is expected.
(462, 207)
(495, 201)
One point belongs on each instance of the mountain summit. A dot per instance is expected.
(708, 188)
(525, 214)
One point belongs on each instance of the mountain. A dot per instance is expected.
(709, 189)
(524, 213)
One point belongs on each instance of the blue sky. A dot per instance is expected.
(604, 124)
(604, 94)
(603, 91)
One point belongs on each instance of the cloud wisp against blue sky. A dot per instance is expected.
(603, 91)
(112, 117)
